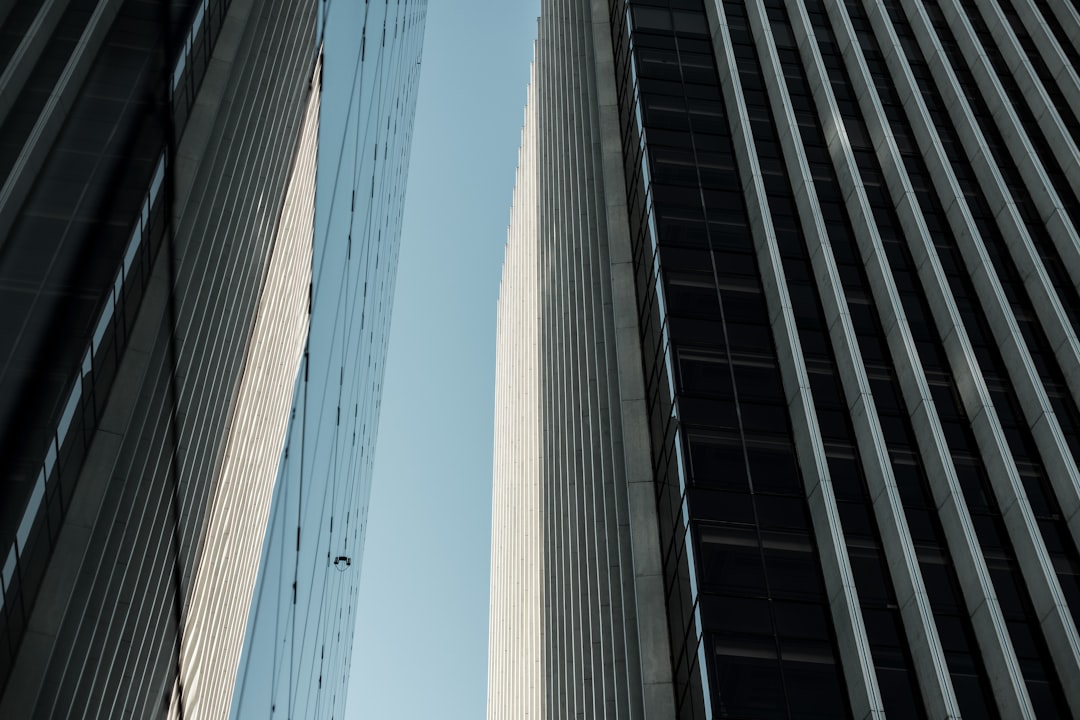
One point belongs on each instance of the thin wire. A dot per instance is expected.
(337, 171)
(304, 425)
(360, 290)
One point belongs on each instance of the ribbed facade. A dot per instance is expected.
(605, 646)
(846, 233)
(157, 219)
(515, 638)
(603, 591)
(215, 619)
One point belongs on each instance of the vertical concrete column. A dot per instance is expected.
(1050, 206)
(1050, 605)
(1036, 406)
(926, 651)
(649, 628)
(976, 587)
(1035, 22)
(1068, 17)
(1035, 95)
(854, 648)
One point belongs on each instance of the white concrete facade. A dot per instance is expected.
(584, 536)
(516, 634)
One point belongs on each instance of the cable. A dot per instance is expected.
(335, 432)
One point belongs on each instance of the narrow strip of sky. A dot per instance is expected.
(421, 641)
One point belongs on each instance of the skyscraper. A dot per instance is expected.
(804, 309)
(157, 245)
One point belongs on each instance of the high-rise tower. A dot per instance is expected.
(805, 304)
(156, 215)
(157, 244)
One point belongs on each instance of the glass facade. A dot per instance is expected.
(732, 510)
(297, 650)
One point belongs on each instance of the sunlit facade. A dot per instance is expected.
(157, 244)
(807, 358)
(516, 638)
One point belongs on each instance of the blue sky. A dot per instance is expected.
(421, 638)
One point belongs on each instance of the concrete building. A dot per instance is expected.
(157, 240)
(794, 285)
